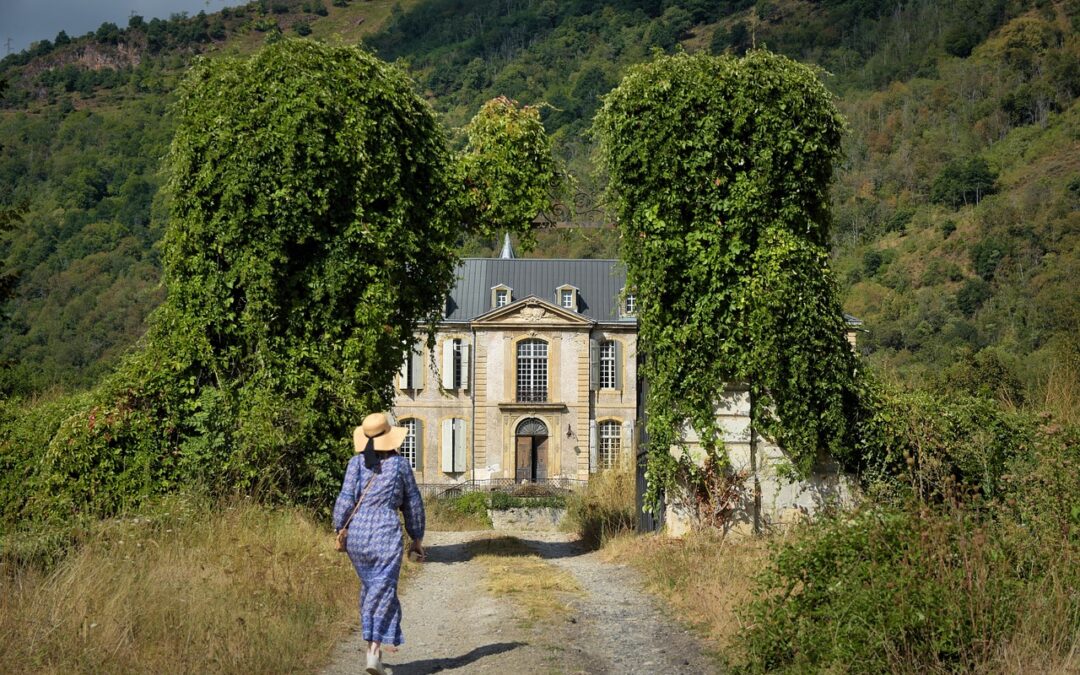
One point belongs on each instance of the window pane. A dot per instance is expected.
(532, 371)
(609, 444)
(457, 363)
(568, 299)
(607, 365)
(631, 304)
(408, 448)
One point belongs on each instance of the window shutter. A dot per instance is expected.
(418, 429)
(618, 364)
(459, 445)
(448, 363)
(594, 365)
(464, 365)
(448, 446)
(403, 373)
(592, 446)
(418, 366)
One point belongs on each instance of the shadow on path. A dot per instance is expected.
(463, 552)
(435, 665)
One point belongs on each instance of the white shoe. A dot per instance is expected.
(374, 664)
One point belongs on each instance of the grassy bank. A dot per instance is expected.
(182, 586)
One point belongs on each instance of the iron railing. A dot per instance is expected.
(532, 395)
(549, 486)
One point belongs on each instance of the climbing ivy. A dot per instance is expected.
(719, 169)
(309, 236)
(507, 172)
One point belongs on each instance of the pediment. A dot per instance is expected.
(532, 311)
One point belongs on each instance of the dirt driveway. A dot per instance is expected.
(453, 623)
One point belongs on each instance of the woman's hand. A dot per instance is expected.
(416, 550)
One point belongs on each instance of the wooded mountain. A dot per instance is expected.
(957, 206)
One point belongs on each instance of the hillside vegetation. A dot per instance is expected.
(956, 205)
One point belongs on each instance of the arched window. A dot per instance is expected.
(609, 444)
(532, 380)
(531, 427)
(410, 448)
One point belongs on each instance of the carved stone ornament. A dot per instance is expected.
(533, 313)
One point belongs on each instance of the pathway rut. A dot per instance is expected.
(453, 625)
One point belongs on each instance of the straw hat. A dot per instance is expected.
(376, 426)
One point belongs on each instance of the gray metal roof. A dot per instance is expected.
(599, 283)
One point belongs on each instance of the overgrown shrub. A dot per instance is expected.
(299, 261)
(467, 512)
(966, 559)
(882, 589)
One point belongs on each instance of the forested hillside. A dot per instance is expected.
(957, 207)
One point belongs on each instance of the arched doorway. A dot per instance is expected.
(531, 442)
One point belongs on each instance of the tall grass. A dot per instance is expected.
(605, 508)
(182, 587)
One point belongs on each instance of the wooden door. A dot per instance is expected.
(540, 445)
(523, 450)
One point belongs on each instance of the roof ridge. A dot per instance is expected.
(549, 259)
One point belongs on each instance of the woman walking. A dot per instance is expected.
(378, 483)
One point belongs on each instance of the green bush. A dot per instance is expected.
(972, 295)
(906, 584)
(877, 591)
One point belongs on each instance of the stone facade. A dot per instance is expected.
(518, 393)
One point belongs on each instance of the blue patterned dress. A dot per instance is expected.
(374, 542)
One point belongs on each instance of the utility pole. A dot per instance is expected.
(7, 44)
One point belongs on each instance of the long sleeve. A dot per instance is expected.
(347, 497)
(412, 504)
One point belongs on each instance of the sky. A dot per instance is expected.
(27, 21)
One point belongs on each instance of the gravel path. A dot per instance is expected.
(453, 625)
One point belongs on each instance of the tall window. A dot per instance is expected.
(630, 305)
(567, 298)
(532, 371)
(609, 444)
(607, 364)
(408, 448)
(458, 365)
(502, 297)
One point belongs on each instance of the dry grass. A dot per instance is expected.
(703, 577)
(1046, 638)
(514, 571)
(183, 588)
(605, 508)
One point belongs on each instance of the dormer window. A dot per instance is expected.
(629, 303)
(501, 296)
(567, 297)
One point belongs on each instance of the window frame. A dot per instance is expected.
(410, 454)
(608, 365)
(609, 444)
(531, 370)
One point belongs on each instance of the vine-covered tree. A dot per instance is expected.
(507, 173)
(719, 169)
(308, 239)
